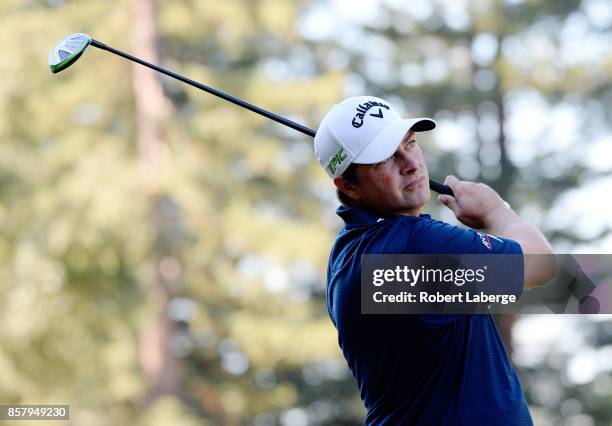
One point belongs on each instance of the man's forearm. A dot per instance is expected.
(538, 269)
(506, 223)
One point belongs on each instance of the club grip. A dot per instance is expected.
(440, 188)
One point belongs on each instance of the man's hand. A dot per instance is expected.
(479, 206)
(475, 204)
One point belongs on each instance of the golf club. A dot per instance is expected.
(70, 49)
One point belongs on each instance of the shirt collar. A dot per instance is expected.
(357, 216)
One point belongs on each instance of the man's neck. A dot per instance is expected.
(412, 212)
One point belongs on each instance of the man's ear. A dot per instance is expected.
(347, 187)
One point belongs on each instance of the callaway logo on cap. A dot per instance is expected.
(362, 130)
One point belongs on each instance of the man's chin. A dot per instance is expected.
(419, 197)
(416, 203)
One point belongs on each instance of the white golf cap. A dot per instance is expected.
(362, 130)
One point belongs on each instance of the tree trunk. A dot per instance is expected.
(162, 367)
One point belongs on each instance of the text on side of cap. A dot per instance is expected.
(336, 160)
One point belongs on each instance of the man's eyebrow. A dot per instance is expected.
(409, 136)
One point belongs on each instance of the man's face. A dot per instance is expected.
(398, 185)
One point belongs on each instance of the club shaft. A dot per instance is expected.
(435, 186)
(208, 89)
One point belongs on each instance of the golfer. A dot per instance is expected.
(416, 369)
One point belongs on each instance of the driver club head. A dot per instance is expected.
(67, 51)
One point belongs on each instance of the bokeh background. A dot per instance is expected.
(163, 252)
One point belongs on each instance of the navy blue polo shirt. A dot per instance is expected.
(420, 369)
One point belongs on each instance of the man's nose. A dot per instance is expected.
(409, 163)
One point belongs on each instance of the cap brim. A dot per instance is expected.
(387, 141)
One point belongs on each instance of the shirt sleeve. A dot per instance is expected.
(431, 236)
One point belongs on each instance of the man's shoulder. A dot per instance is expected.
(424, 226)
(388, 228)
(395, 234)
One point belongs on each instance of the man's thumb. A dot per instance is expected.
(448, 201)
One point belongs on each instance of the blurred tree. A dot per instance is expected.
(162, 366)
(149, 231)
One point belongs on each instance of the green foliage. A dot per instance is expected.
(85, 229)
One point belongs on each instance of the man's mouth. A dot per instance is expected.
(415, 183)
